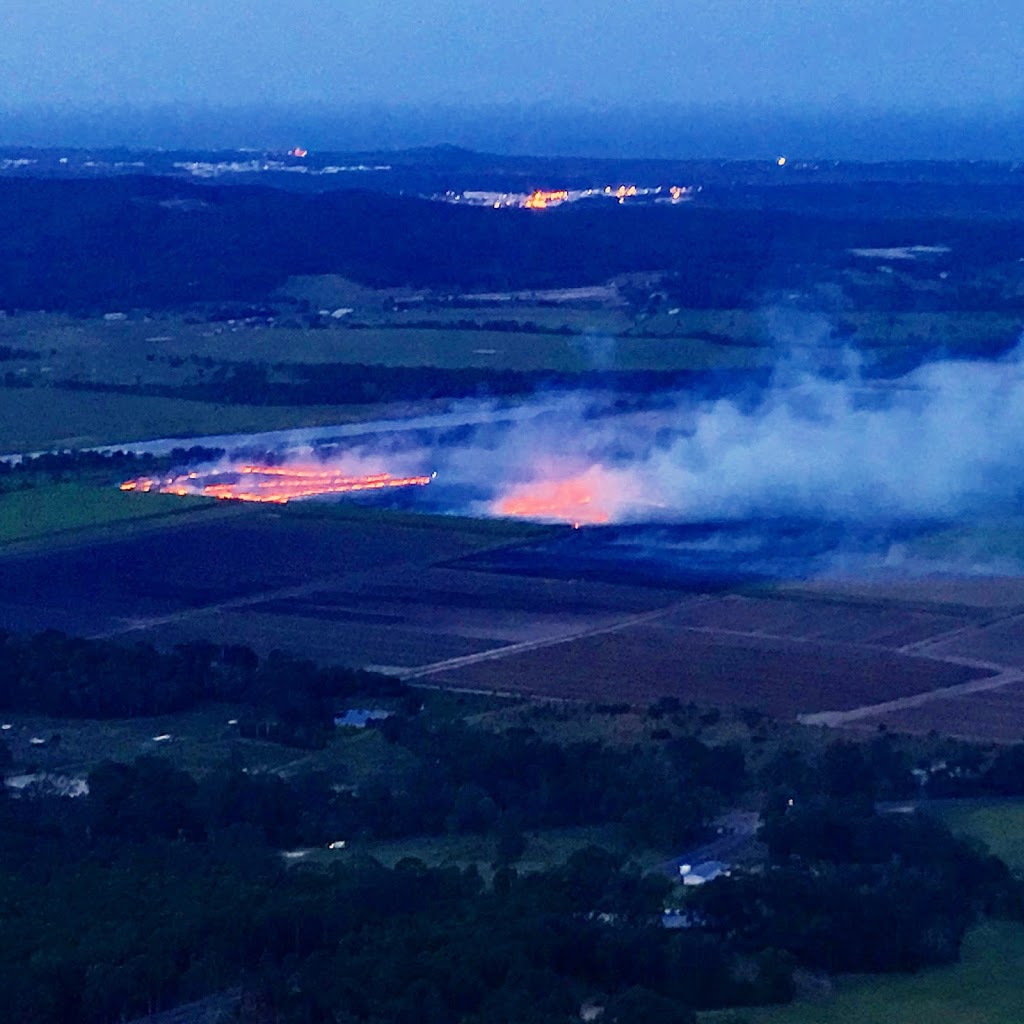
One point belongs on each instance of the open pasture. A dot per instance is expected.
(40, 419)
(984, 988)
(62, 509)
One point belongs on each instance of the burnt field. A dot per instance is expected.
(451, 602)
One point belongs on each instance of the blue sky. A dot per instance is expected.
(883, 54)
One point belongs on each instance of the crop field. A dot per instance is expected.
(62, 509)
(846, 622)
(655, 659)
(989, 715)
(35, 419)
(957, 594)
(355, 586)
(261, 554)
(984, 988)
(126, 351)
(407, 594)
(978, 620)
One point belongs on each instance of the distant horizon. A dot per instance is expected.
(718, 132)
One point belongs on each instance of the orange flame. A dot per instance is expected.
(563, 501)
(276, 484)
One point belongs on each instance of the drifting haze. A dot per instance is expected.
(942, 442)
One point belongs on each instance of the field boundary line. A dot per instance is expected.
(924, 648)
(1004, 676)
(497, 653)
(152, 622)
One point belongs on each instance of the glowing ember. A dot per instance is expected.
(277, 484)
(563, 501)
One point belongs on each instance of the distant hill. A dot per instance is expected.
(135, 242)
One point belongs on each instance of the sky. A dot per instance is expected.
(880, 54)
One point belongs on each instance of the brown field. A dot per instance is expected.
(657, 659)
(412, 616)
(1001, 642)
(336, 585)
(991, 715)
(981, 623)
(401, 592)
(845, 622)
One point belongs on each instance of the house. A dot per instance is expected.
(698, 874)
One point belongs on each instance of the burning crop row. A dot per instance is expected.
(276, 484)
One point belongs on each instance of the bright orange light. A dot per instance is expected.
(276, 484)
(563, 501)
(542, 198)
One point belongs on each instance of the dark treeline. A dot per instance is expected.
(461, 779)
(238, 243)
(101, 467)
(141, 927)
(471, 780)
(882, 770)
(115, 904)
(458, 781)
(159, 886)
(71, 677)
(250, 383)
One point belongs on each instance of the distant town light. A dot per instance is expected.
(781, 161)
(298, 151)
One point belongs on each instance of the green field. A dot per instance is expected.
(984, 988)
(60, 508)
(999, 825)
(33, 419)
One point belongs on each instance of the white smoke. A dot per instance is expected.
(945, 440)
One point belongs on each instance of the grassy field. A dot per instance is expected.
(60, 508)
(998, 824)
(33, 419)
(984, 988)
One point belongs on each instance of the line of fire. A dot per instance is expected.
(572, 501)
(276, 484)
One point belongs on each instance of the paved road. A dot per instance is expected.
(738, 828)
